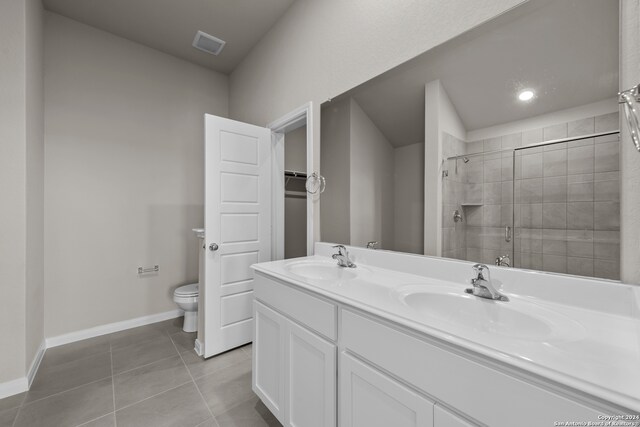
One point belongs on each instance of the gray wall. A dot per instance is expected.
(124, 174)
(371, 182)
(21, 172)
(409, 198)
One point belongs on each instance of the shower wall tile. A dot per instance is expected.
(531, 215)
(580, 266)
(607, 216)
(532, 165)
(606, 191)
(554, 132)
(507, 168)
(531, 137)
(554, 215)
(474, 254)
(493, 238)
(492, 144)
(607, 157)
(607, 122)
(507, 191)
(474, 147)
(606, 138)
(580, 243)
(554, 263)
(474, 216)
(512, 141)
(580, 192)
(493, 170)
(581, 127)
(473, 193)
(554, 189)
(531, 190)
(606, 244)
(580, 160)
(491, 215)
(554, 163)
(606, 269)
(474, 237)
(554, 242)
(531, 240)
(493, 193)
(580, 215)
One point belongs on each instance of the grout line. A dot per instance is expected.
(90, 421)
(194, 383)
(142, 366)
(151, 397)
(113, 386)
(64, 391)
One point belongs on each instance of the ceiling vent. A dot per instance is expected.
(207, 43)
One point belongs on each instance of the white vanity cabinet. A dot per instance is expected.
(294, 365)
(372, 399)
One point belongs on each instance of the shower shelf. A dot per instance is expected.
(471, 205)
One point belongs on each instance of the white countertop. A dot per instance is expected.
(596, 352)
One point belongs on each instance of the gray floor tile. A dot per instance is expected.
(225, 389)
(200, 367)
(136, 336)
(170, 326)
(149, 380)
(12, 401)
(181, 406)
(106, 421)
(185, 341)
(251, 413)
(70, 408)
(62, 377)
(8, 416)
(142, 353)
(209, 423)
(75, 351)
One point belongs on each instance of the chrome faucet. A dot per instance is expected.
(372, 245)
(503, 261)
(482, 286)
(343, 257)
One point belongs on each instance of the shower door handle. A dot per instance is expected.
(507, 234)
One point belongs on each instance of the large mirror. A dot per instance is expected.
(499, 146)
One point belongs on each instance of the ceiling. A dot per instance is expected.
(170, 25)
(567, 51)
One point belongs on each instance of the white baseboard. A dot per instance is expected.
(35, 363)
(9, 388)
(199, 348)
(111, 327)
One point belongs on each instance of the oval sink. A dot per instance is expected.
(320, 270)
(519, 321)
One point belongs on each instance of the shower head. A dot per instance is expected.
(465, 159)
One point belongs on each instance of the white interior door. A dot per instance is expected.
(237, 227)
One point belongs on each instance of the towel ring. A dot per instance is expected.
(315, 184)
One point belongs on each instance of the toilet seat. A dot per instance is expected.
(187, 291)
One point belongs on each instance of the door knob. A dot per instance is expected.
(213, 247)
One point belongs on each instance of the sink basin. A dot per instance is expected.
(519, 320)
(321, 271)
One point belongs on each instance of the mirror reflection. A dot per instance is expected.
(500, 146)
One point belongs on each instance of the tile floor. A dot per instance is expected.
(147, 376)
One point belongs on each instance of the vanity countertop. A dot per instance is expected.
(589, 350)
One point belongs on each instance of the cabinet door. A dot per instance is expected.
(268, 374)
(369, 398)
(311, 379)
(444, 418)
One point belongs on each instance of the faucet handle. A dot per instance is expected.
(481, 271)
(341, 249)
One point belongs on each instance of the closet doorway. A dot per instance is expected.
(295, 193)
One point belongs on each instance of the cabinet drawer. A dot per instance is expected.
(315, 313)
(483, 393)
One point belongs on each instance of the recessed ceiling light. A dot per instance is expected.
(208, 43)
(525, 95)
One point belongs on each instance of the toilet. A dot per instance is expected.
(187, 299)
